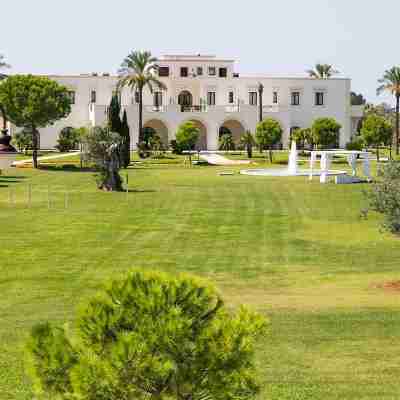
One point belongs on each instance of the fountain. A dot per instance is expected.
(292, 168)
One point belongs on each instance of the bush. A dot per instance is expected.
(356, 143)
(68, 139)
(176, 147)
(23, 140)
(384, 197)
(150, 336)
(143, 149)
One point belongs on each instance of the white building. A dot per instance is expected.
(206, 90)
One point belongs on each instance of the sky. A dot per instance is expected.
(282, 36)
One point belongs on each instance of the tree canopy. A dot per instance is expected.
(150, 336)
(376, 131)
(390, 82)
(187, 135)
(325, 131)
(268, 133)
(34, 102)
(322, 71)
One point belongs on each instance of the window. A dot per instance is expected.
(231, 97)
(253, 98)
(295, 98)
(212, 71)
(184, 72)
(211, 98)
(275, 98)
(93, 96)
(158, 99)
(199, 71)
(137, 97)
(319, 98)
(163, 71)
(71, 96)
(223, 72)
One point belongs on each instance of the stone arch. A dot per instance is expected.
(233, 126)
(202, 142)
(160, 128)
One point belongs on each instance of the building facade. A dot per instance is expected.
(208, 91)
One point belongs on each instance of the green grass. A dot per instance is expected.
(294, 250)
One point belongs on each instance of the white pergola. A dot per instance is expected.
(326, 159)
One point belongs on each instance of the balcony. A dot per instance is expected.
(194, 108)
(155, 108)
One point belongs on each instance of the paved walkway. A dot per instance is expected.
(45, 158)
(217, 159)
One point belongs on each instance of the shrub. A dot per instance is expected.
(68, 139)
(384, 196)
(102, 147)
(176, 147)
(150, 336)
(356, 144)
(23, 140)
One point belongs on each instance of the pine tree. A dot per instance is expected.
(114, 111)
(126, 151)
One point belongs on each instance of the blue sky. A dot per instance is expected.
(265, 36)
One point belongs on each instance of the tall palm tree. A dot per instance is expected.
(322, 71)
(137, 72)
(3, 65)
(390, 82)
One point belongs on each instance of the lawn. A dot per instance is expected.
(296, 251)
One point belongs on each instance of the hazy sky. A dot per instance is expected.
(279, 36)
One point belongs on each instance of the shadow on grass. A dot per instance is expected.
(65, 168)
(140, 191)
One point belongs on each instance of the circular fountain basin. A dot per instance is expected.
(286, 172)
(6, 159)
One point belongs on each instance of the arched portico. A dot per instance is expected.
(202, 141)
(159, 127)
(233, 127)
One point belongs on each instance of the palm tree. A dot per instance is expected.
(248, 141)
(322, 71)
(390, 82)
(137, 72)
(3, 65)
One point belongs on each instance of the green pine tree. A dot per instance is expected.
(126, 158)
(114, 112)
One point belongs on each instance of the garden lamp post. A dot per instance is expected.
(260, 95)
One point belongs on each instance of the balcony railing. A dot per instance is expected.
(232, 108)
(194, 108)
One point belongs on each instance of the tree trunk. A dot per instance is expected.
(35, 147)
(377, 153)
(397, 122)
(140, 114)
(3, 115)
(249, 151)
